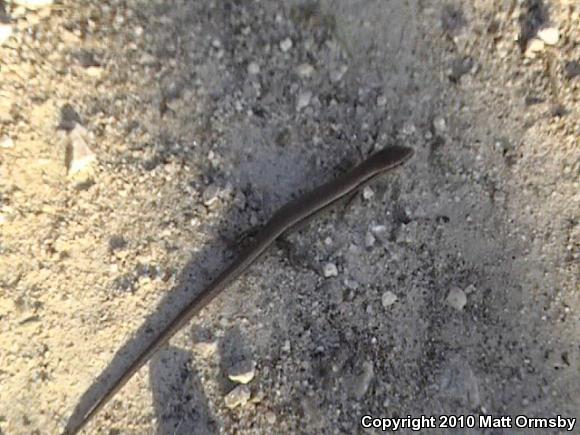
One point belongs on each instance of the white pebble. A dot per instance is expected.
(368, 193)
(79, 155)
(33, 4)
(439, 124)
(456, 298)
(6, 142)
(206, 348)
(5, 32)
(388, 299)
(286, 45)
(303, 100)
(253, 68)
(305, 70)
(370, 240)
(550, 35)
(238, 396)
(210, 195)
(243, 372)
(534, 46)
(329, 270)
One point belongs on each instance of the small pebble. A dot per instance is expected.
(78, 156)
(534, 46)
(242, 372)
(388, 299)
(379, 230)
(368, 193)
(94, 71)
(381, 100)
(210, 195)
(370, 240)
(470, 289)
(286, 347)
(456, 298)
(329, 269)
(286, 45)
(362, 382)
(239, 396)
(253, 68)
(305, 70)
(206, 348)
(303, 100)
(270, 417)
(147, 59)
(439, 124)
(336, 75)
(33, 4)
(6, 142)
(550, 35)
(5, 32)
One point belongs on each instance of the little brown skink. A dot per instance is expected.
(285, 218)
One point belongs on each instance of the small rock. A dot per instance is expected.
(286, 45)
(286, 347)
(210, 195)
(303, 100)
(550, 35)
(336, 75)
(368, 193)
(94, 71)
(370, 240)
(361, 383)
(147, 59)
(6, 103)
(239, 396)
(33, 4)
(270, 417)
(470, 289)
(78, 154)
(258, 397)
(242, 372)
(456, 298)
(439, 124)
(379, 231)
(329, 270)
(305, 70)
(534, 46)
(5, 32)
(388, 299)
(206, 348)
(253, 68)
(6, 142)
(381, 100)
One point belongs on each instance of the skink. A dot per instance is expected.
(285, 218)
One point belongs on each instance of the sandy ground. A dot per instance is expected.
(450, 287)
